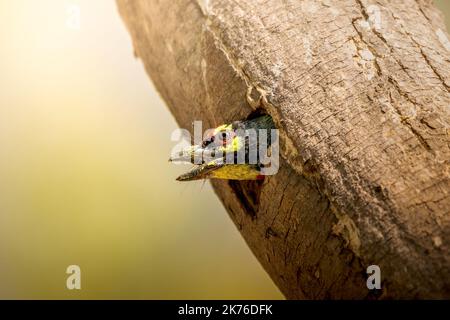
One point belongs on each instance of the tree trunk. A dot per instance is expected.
(360, 92)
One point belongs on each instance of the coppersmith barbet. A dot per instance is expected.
(236, 151)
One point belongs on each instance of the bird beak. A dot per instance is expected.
(191, 154)
(199, 172)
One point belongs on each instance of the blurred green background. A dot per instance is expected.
(84, 177)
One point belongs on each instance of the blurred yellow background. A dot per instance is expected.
(84, 177)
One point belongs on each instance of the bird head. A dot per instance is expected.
(230, 151)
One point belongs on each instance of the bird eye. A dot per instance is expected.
(225, 137)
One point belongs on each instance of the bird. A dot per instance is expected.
(230, 151)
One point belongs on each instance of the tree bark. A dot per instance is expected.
(360, 92)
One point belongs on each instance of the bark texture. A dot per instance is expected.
(360, 92)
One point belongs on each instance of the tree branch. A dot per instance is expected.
(360, 93)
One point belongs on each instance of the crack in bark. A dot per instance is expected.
(424, 56)
(391, 80)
